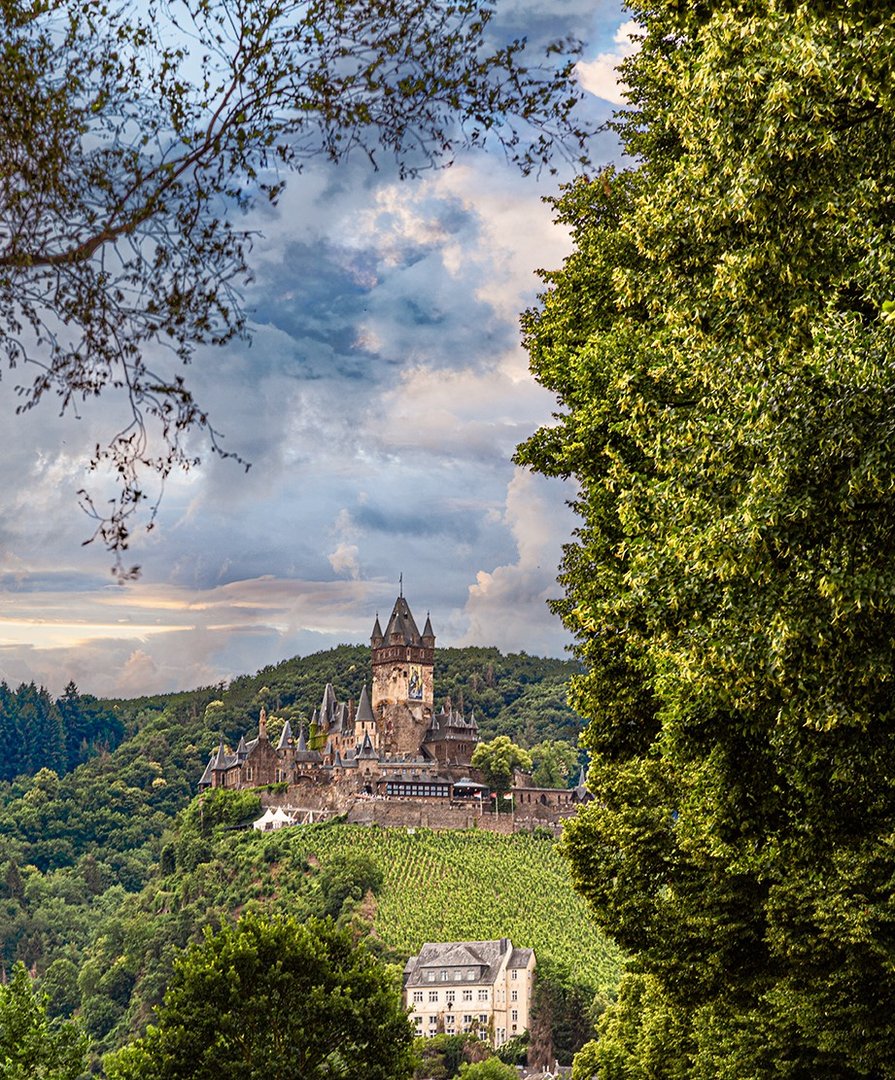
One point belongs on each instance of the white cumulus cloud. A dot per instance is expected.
(599, 76)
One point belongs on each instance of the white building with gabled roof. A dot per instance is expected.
(478, 986)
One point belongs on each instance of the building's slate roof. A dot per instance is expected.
(364, 709)
(520, 958)
(285, 736)
(402, 625)
(484, 956)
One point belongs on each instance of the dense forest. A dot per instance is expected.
(110, 865)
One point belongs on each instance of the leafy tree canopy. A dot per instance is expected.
(274, 998)
(32, 1047)
(492, 1069)
(127, 136)
(497, 760)
(555, 761)
(721, 352)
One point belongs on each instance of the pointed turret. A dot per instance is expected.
(366, 751)
(428, 638)
(473, 725)
(376, 637)
(402, 629)
(206, 780)
(262, 725)
(364, 714)
(327, 706)
(286, 736)
(220, 761)
(242, 751)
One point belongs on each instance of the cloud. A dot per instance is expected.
(379, 402)
(600, 76)
(506, 606)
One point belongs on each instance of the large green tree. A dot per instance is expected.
(33, 1047)
(274, 998)
(497, 760)
(719, 347)
(129, 135)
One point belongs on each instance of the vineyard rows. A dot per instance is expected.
(470, 885)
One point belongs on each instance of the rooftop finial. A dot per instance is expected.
(401, 584)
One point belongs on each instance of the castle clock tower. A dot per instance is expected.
(403, 663)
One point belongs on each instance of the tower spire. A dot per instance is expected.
(401, 584)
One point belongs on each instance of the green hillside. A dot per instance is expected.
(455, 886)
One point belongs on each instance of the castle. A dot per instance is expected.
(393, 742)
(392, 746)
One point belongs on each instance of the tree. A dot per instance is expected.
(274, 998)
(118, 172)
(497, 760)
(32, 1047)
(492, 1069)
(718, 344)
(554, 762)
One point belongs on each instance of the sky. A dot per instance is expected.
(379, 402)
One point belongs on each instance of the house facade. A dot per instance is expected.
(483, 987)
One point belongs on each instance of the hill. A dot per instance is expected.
(109, 868)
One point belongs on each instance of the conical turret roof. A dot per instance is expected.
(327, 706)
(221, 761)
(401, 629)
(285, 736)
(364, 714)
(366, 750)
(376, 635)
(428, 632)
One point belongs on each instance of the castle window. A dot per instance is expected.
(514, 995)
(417, 996)
(483, 995)
(449, 996)
(467, 996)
(433, 995)
(514, 1014)
(514, 974)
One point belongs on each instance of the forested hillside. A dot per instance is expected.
(107, 869)
(106, 953)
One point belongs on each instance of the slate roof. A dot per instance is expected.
(364, 713)
(483, 956)
(402, 625)
(520, 958)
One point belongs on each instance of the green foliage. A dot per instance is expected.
(555, 763)
(441, 1056)
(497, 760)
(492, 1069)
(515, 1051)
(33, 1047)
(348, 876)
(274, 998)
(726, 381)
